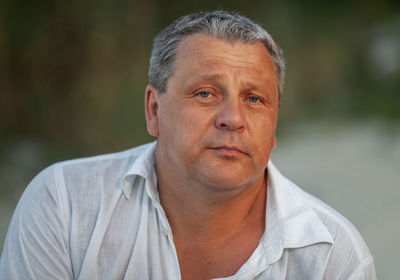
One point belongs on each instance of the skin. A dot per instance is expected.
(216, 128)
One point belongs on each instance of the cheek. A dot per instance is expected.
(194, 119)
(264, 135)
(179, 125)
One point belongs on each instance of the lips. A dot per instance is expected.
(229, 150)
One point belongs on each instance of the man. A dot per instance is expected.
(201, 202)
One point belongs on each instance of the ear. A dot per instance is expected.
(151, 100)
(274, 143)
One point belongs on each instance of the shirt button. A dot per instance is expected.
(165, 232)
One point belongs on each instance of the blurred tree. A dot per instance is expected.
(72, 73)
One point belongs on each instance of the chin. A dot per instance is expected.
(227, 182)
(227, 175)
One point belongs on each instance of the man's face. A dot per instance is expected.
(216, 121)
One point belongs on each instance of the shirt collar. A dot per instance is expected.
(142, 168)
(290, 221)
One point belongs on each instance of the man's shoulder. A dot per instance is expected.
(104, 160)
(347, 243)
(349, 249)
(87, 174)
(105, 170)
(298, 207)
(340, 228)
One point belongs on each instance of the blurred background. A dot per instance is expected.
(73, 73)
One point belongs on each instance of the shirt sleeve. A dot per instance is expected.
(36, 245)
(349, 257)
(365, 271)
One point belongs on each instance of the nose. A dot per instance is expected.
(230, 117)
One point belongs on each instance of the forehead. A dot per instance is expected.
(203, 54)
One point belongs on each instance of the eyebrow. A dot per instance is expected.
(216, 78)
(250, 85)
(213, 77)
(209, 78)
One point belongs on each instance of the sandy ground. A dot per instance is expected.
(354, 167)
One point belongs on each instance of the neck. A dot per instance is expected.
(209, 214)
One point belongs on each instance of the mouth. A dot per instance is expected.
(229, 151)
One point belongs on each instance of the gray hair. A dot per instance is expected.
(222, 25)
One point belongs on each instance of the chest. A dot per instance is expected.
(214, 260)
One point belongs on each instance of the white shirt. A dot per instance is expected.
(101, 218)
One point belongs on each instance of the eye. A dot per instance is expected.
(254, 99)
(204, 94)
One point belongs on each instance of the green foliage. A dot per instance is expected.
(73, 73)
